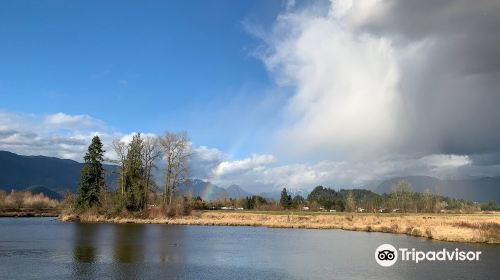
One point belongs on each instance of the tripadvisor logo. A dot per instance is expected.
(387, 255)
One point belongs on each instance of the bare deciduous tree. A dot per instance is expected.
(175, 148)
(121, 150)
(150, 153)
(350, 203)
(402, 194)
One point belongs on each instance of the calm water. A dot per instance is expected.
(43, 248)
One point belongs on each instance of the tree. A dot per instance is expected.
(286, 199)
(490, 206)
(121, 150)
(134, 179)
(254, 201)
(249, 202)
(91, 175)
(17, 199)
(324, 196)
(402, 195)
(175, 148)
(350, 203)
(298, 200)
(150, 153)
(428, 201)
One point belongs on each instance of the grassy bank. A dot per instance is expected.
(483, 228)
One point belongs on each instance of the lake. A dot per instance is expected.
(44, 248)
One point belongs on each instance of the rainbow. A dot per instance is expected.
(206, 195)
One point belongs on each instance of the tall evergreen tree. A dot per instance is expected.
(286, 199)
(135, 183)
(91, 176)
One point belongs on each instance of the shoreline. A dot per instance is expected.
(30, 213)
(470, 228)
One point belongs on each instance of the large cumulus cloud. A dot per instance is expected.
(388, 78)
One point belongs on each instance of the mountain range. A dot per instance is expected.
(53, 176)
(210, 191)
(19, 172)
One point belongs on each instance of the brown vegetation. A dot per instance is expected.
(26, 204)
(447, 227)
(19, 200)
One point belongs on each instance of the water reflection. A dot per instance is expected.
(169, 245)
(84, 250)
(128, 244)
(106, 251)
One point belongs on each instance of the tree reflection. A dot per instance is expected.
(84, 250)
(128, 244)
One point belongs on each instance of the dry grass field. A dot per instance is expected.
(484, 227)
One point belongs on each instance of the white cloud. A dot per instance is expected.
(346, 84)
(59, 135)
(65, 119)
(345, 174)
(255, 162)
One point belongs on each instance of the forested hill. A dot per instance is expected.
(476, 189)
(21, 172)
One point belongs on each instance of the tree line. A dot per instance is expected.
(401, 199)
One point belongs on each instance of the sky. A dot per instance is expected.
(272, 93)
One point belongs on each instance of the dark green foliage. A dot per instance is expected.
(339, 205)
(251, 202)
(135, 184)
(286, 199)
(490, 206)
(298, 200)
(91, 176)
(325, 197)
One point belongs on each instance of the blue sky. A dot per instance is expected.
(272, 93)
(140, 66)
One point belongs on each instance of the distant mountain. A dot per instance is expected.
(235, 192)
(209, 191)
(203, 189)
(275, 195)
(295, 192)
(20, 172)
(475, 189)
